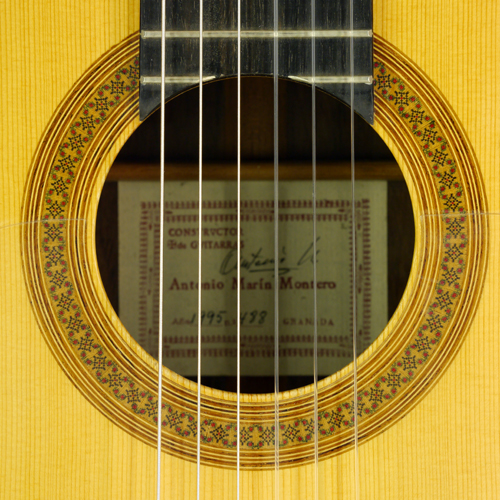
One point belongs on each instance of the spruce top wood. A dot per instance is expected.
(57, 443)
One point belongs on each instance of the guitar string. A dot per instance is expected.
(162, 176)
(200, 200)
(160, 295)
(315, 267)
(238, 298)
(276, 257)
(353, 232)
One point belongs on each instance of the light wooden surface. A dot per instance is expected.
(55, 444)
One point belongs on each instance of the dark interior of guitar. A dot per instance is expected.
(375, 162)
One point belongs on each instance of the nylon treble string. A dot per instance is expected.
(276, 255)
(200, 222)
(315, 252)
(162, 204)
(353, 229)
(238, 298)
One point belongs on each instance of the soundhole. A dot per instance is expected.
(382, 238)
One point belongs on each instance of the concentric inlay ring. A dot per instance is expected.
(119, 378)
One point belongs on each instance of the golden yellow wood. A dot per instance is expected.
(55, 444)
(120, 379)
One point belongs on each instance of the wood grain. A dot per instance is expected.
(55, 444)
(99, 355)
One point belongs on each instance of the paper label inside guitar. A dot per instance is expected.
(138, 273)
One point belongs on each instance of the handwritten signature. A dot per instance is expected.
(258, 262)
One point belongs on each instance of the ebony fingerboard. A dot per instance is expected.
(332, 38)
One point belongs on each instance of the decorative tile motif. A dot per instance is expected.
(223, 433)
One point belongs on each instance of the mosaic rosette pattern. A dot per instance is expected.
(130, 394)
